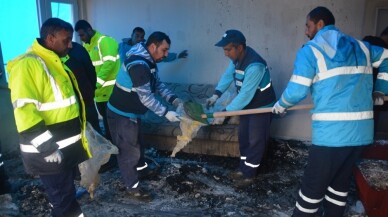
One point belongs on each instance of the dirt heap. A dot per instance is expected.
(375, 173)
(187, 185)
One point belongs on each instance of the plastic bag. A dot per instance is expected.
(101, 150)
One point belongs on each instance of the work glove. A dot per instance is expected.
(378, 98)
(172, 116)
(177, 102)
(218, 121)
(55, 157)
(211, 101)
(278, 109)
(183, 54)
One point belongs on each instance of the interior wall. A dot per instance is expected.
(275, 29)
(370, 21)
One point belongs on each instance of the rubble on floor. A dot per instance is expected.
(7, 207)
(189, 185)
(375, 173)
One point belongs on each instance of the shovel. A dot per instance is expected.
(195, 111)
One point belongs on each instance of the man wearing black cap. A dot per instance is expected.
(249, 72)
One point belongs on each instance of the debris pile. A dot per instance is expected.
(188, 185)
(375, 173)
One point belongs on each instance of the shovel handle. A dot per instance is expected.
(251, 111)
(257, 111)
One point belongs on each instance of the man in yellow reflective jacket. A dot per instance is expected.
(49, 115)
(103, 51)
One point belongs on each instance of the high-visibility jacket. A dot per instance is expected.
(337, 69)
(253, 83)
(103, 51)
(48, 111)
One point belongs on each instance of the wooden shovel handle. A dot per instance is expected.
(258, 111)
(252, 111)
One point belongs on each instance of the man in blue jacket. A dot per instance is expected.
(133, 95)
(337, 70)
(250, 74)
(137, 36)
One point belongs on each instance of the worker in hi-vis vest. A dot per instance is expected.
(103, 51)
(50, 115)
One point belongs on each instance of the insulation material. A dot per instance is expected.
(190, 127)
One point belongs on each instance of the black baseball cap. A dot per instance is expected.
(231, 36)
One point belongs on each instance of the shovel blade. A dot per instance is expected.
(194, 110)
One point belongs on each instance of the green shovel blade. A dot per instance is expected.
(194, 110)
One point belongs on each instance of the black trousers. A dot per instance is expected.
(4, 184)
(253, 135)
(92, 118)
(126, 136)
(142, 164)
(326, 180)
(61, 191)
(101, 106)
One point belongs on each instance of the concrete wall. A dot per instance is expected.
(370, 22)
(273, 28)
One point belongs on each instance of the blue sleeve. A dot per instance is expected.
(302, 78)
(149, 100)
(226, 79)
(164, 92)
(253, 76)
(379, 58)
(170, 57)
(123, 49)
(141, 79)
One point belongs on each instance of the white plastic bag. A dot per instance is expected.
(101, 149)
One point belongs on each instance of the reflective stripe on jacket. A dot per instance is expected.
(103, 51)
(133, 95)
(46, 111)
(252, 79)
(337, 69)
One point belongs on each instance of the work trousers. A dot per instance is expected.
(253, 135)
(61, 191)
(326, 178)
(4, 185)
(101, 107)
(142, 164)
(126, 136)
(92, 118)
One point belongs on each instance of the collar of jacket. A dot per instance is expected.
(43, 52)
(94, 39)
(140, 50)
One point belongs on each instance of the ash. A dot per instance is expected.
(188, 185)
(375, 172)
